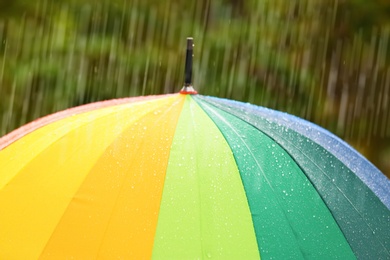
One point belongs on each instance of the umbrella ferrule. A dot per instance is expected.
(187, 88)
(188, 64)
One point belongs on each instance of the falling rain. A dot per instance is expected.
(325, 61)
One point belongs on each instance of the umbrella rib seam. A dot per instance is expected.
(83, 124)
(48, 240)
(262, 171)
(324, 173)
(122, 186)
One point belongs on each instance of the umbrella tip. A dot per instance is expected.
(188, 88)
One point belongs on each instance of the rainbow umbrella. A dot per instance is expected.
(186, 176)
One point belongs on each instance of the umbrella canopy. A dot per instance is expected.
(186, 177)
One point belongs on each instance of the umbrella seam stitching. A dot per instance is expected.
(324, 173)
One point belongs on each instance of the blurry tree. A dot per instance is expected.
(324, 60)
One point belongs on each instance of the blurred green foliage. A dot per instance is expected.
(323, 60)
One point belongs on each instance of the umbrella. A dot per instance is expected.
(184, 176)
